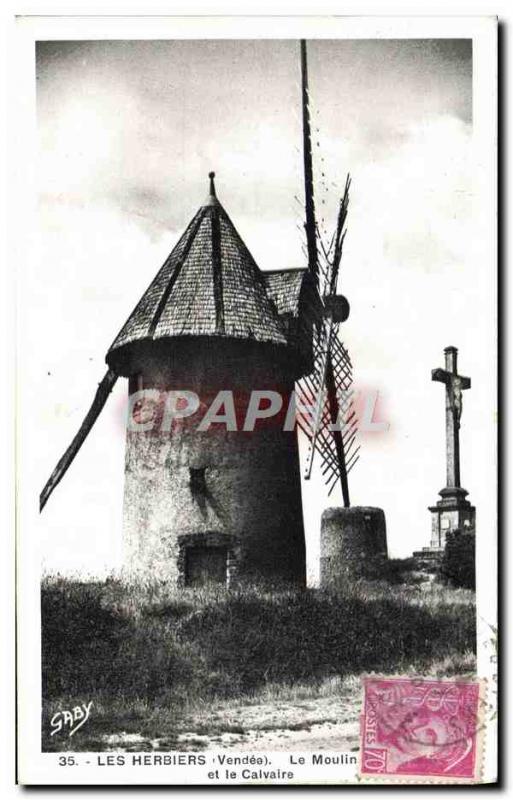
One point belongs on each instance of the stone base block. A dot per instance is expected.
(452, 512)
(353, 540)
(428, 559)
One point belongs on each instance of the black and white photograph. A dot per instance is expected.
(257, 402)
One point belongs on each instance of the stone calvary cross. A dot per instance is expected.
(453, 510)
(454, 386)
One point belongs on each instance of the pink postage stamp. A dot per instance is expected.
(417, 727)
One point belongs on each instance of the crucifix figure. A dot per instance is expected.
(454, 386)
(453, 511)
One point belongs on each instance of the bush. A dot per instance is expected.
(107, 639)
(90, 645)
(458, 567)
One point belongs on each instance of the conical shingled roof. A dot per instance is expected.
(208, 286)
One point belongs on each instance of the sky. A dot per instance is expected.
(129, 130)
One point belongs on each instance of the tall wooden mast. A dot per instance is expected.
(328, 378)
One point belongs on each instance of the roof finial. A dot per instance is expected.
(212, 197)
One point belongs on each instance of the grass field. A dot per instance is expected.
(181, 669)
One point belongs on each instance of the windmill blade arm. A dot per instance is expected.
(100, 398)
(319, 405)
(337, 436)
(310, 225)
(339, 236)
(354, 458)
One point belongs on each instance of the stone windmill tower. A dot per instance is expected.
(221, 503)
(215, 504)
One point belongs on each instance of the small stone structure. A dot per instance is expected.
(428, 560)
(351, 539)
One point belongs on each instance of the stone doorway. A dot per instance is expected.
(205, 566)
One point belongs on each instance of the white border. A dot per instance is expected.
(34, 766)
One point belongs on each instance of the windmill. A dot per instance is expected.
(210, 311)
(330, 423)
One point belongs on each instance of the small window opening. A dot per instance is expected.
(197, 481)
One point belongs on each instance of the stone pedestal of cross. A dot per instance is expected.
(453, 510)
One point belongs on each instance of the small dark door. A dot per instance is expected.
(205, 565)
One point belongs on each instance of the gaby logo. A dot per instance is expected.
(71, 720)
(156, 410)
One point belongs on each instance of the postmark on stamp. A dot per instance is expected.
(420, 728)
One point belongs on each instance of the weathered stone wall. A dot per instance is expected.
(350, 539)
(244, 488)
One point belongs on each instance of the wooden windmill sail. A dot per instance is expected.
(331, 424)
(104, 389)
